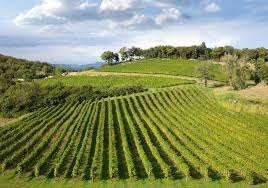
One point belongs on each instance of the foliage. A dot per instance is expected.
(205, 71)
(19, 97)
(27, 97)
(13, 69)
(237, 70)
(259, 72)
(129, 54)
(110, 57)
(201, 52)
(192, 52)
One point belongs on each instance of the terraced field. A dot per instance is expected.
(164, 134)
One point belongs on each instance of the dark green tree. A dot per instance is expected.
(108, 57)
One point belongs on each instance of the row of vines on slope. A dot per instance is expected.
(178, 133)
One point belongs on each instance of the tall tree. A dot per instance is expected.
(259, 71)
(205, 71)
(124, 54)
(237, 71)
(110, 57)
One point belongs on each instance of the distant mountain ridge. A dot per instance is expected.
(79, 66)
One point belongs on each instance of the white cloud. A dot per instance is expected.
(45, 12)
(165, 3)
(212, 7)
(171, 14)
(119, 12)
(82, 45)
(137, 19)
(87, 5)
(116, 5)
(54, 12)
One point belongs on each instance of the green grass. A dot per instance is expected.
(165, 66)
(235, 101)
(116, 81)
(8, 180)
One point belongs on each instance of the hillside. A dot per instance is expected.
(114, 81)
(179, 133)
(14, 68)
(165, 66)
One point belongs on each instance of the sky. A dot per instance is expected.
(78, 31)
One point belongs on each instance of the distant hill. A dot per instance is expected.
(78, 67)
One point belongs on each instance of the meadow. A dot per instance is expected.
(165, 66)
(116, 81)
(176, 134)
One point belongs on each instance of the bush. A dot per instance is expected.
(19, 98)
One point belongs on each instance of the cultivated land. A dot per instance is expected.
(178, 133)
(116, 81)
(165, 66)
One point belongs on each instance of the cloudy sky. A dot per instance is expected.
(78, 31)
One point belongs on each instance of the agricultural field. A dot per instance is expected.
(165, 66)
(181, 133)
(116, 81)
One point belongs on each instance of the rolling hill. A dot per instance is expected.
(172, 133)
(165, 66)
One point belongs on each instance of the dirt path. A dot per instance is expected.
(260, 91)
(96, 73)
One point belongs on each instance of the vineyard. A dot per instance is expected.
(163, 134)
(116, 81)
(179, 67)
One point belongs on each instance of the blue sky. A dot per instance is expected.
(78, 31)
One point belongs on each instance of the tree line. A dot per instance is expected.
(238, 71)
(201, 52)
(240, 64)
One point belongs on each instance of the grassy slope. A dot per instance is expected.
(116, 81)
(165, 66)
(243, 101)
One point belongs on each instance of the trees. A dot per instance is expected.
(135, 52)
(259, 72)
(130, 53)
(12, 68)
(124, 54)
(166, 51)
(110, 57)
(237, 71)
(205, 71)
